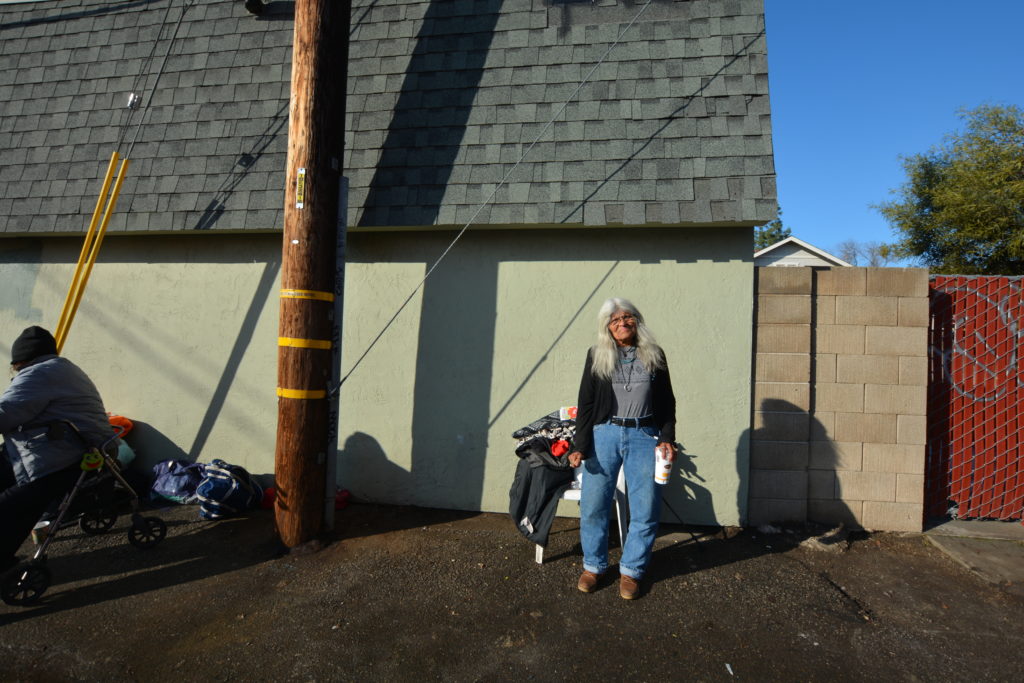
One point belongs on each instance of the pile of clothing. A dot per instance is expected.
(543, 473)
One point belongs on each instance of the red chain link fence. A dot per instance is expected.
(975, 453)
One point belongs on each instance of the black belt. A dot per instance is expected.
(632, 421)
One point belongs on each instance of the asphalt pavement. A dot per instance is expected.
(407, 594)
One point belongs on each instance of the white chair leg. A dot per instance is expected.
(538, 556)
(622, 507)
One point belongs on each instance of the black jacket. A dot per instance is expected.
(533, 498)
(594, 406)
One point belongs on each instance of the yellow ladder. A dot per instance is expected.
(91, 247)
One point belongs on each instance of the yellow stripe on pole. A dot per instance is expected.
(300, 393)
(306, 294)
(62, 322)
(304, 343)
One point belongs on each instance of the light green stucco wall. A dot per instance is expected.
(180, 334)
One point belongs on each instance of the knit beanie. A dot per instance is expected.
(32, 343)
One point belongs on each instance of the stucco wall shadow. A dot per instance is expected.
(501, 331)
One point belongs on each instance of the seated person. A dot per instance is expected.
(43, 455)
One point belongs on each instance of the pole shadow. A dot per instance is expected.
(242, 342)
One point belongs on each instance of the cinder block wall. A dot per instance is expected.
(841, 374)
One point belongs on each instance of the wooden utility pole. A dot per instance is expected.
(316, 135)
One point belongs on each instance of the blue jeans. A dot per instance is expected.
(632, 449)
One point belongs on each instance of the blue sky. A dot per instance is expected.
(854, 85)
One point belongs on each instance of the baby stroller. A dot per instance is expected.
(96, 499)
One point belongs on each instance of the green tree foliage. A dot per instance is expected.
(768, 234)
(962, 207)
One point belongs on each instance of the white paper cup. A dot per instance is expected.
(662, 465)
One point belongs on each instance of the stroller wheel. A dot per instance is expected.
(97, 521)
(25, 584)
(147, 532)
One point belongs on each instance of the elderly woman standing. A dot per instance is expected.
(626, 408)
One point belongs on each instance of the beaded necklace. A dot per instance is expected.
(627, 356)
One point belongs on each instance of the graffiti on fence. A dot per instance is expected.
(982, 362)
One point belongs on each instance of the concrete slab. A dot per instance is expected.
(1007, 531)
(995, 560)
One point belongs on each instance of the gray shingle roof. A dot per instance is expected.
(445, 97)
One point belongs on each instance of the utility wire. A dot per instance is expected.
(494, 192)
(163, 64)
(133, 92)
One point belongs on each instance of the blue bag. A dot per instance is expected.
(176, 480)
(227, 490)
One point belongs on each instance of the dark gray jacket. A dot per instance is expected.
(48, 391)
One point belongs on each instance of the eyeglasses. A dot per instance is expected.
(622, 319)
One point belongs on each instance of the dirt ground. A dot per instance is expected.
(407, 594)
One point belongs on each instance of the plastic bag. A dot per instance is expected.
(177, 480)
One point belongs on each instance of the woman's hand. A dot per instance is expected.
(575, 458)
(670, 449)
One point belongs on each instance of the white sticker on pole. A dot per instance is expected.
(300, 189)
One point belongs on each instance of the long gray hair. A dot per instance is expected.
(605, 351)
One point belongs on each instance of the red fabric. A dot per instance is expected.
(559, 448)
(122, 422)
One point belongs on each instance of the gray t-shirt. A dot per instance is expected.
(631, 386)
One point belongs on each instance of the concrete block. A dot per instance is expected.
(767, 511)
(896, 458)
(770, 426)
(784, 280)
(865, 427)
(835, 455)
(909, 282)
(895, 399)
(821, 485)
(798, 395)
(848, 339)
(877, 486)
(839, 398)
(778, 455)
(823, 425)
(824, 310)
(779, 484)
(910, 488)
(913, 370)
(866, 310)
(836, 512)
(896, 341)
(911, 429)
(783, 308)
(881, 516)
(867, 369)
(841, 281)
(782, 367)
(783, 338)
(913, 312)
(824, 367)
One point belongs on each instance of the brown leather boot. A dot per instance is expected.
(588, 582)
(629, 588)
